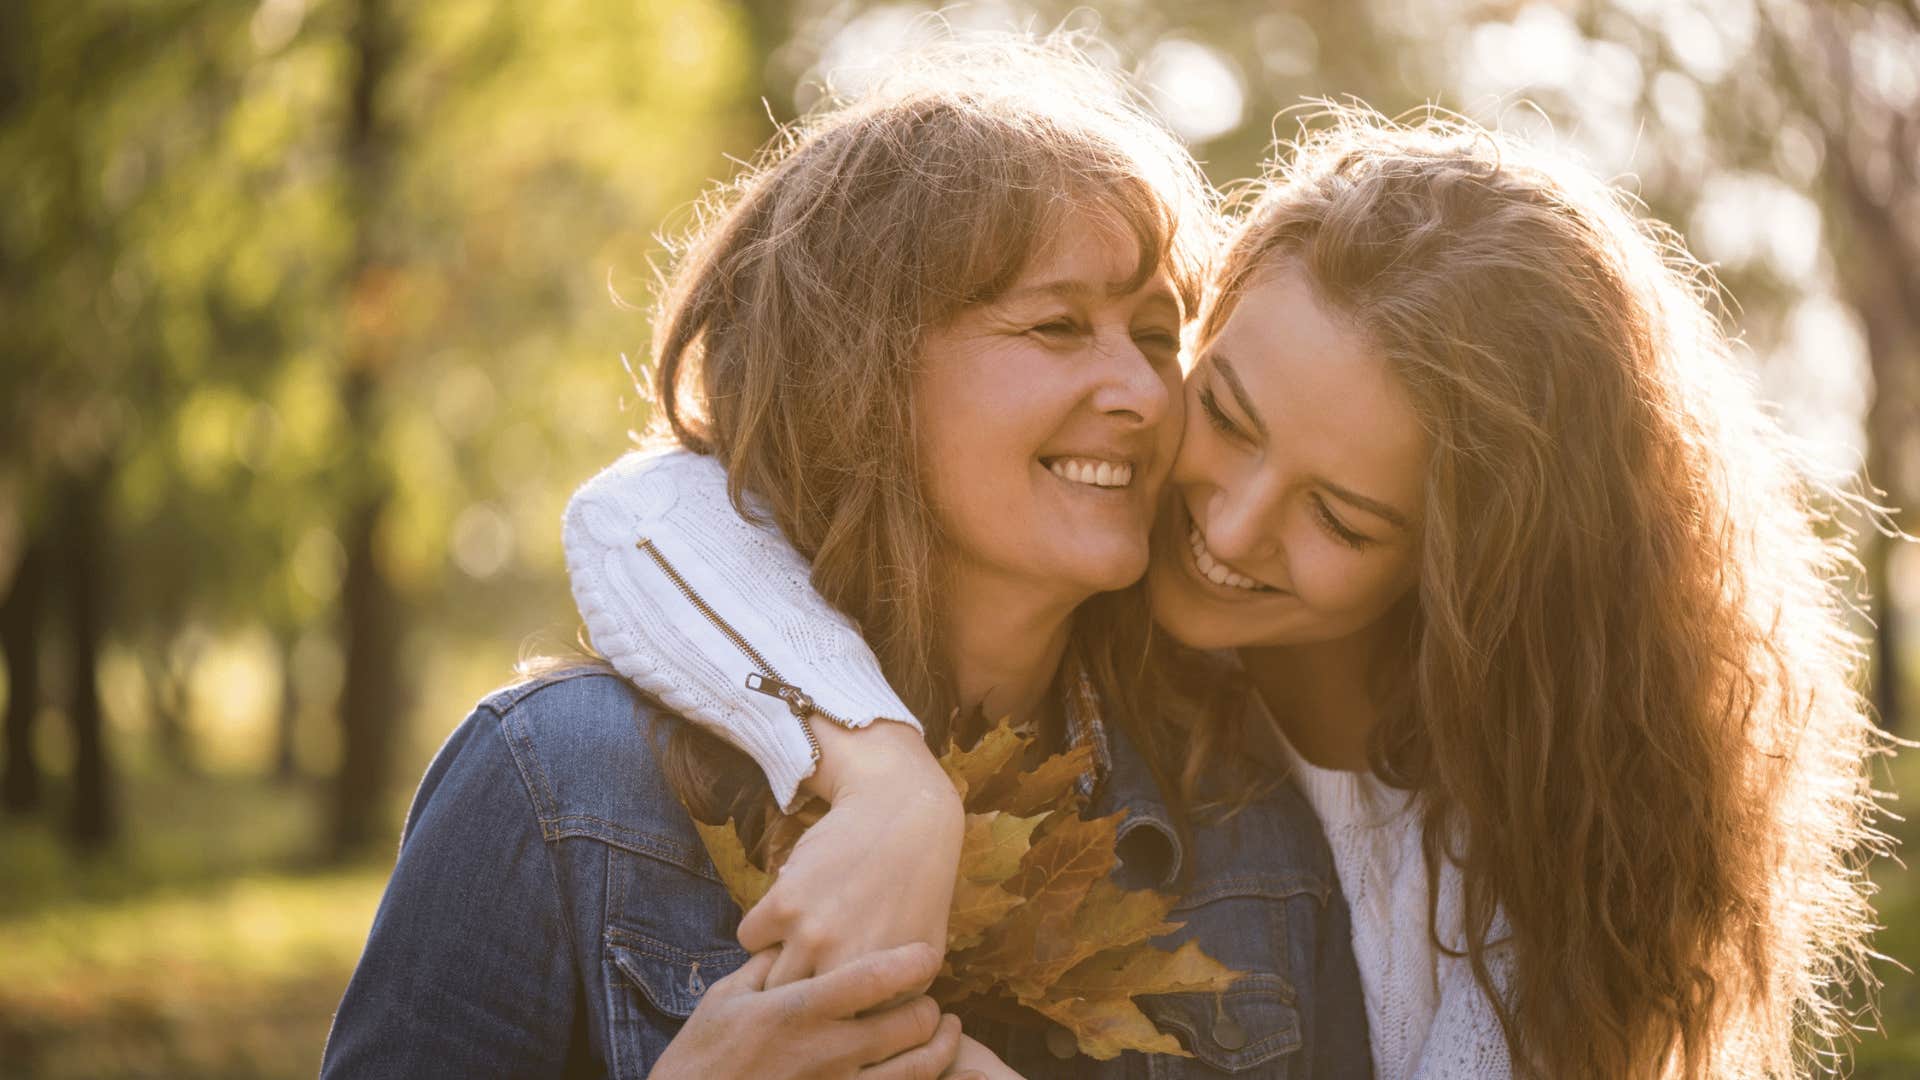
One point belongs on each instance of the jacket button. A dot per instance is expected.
(1061, 1043)
(1228, 1033)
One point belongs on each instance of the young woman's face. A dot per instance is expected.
(1296, 502)
(1048, 418)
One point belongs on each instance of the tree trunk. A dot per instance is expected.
(167, 682)
(369, 697)
(286, 754)
(19, 622)
(92, 824)
(370, 608)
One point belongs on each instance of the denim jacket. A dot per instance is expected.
(553, 912)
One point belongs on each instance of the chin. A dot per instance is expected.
(1190, 618)
(1108, 571)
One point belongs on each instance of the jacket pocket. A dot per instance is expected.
(1251, 1028)
(652, 987)
(671, 979)
(1254, 1028)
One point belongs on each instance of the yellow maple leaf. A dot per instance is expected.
(745, 882)
(994, 844)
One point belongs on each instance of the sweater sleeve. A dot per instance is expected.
(715, 615)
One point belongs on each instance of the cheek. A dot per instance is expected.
(1342, 583)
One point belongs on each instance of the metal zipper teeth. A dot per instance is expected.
(746, 648)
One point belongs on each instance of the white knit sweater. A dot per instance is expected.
(1427, 1016)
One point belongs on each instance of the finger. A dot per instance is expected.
(892, 1032)
(749, 977)
(794, 965)
(863, 984)
(768, 923)
(927, 1061)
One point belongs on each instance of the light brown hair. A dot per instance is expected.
(788, 338)
(1625, 686)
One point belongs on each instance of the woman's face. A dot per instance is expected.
(1296, 502)
(1048, 418)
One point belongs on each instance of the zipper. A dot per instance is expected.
(767, 680)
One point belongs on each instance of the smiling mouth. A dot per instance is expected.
(1092, 472)
(1216, 571)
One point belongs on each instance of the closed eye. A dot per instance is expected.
(1057, 328)
(1216, 416)
(1159, 346)
(1337, 528)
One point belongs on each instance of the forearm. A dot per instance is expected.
(716, 616)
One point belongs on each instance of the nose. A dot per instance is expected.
(1132, 388)
(1243, 521)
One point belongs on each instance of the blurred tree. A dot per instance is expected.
(20, 622)
(372, 619)
(1851, 72)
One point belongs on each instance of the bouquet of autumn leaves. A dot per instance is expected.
(1036, 925)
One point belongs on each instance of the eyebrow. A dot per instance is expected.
(1218, 360)
(1372, 506)
(1074, 288)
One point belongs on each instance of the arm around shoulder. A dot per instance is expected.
(697, 605)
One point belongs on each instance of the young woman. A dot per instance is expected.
(847, 347)
(1497, 533)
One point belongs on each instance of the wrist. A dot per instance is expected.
(883, 757)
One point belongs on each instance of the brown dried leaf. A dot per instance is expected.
(1048, 785)
(1145, 971)
(746, 882)
(1038, 939)
(999, 749)
(1071, 854)
(1104, 1027)
(1109, 917)
(977, 906)
(1037, 928)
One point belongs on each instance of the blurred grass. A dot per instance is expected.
(211, 946)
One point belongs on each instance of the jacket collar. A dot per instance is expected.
(1120, 780)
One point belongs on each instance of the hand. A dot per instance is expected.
(878, 870)
(976, 1062)
(813, 1029)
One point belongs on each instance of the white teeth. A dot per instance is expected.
(1216, 571)
(1103, 474)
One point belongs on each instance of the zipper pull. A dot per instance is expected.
(796, 698)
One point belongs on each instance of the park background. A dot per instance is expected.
(315, 311)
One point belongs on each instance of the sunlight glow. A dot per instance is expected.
(1195, 89)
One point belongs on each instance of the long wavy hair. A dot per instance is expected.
(1625, 687)
(787, 340)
